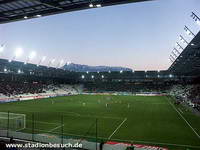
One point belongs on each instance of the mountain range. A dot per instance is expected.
(85, 68)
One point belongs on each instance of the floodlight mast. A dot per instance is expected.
(177, 51)
(183, 40)
(188, 31)
(196, 18)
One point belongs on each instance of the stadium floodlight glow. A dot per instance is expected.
(196, 18)
(38, 15)
(102, 76)
(98, 5)
(109, 71)
(121, 71)
(87, 72)
(19, 71)
(69, 62)
(97, 71)
(189, 32)
(18, 52)
(25, 17)
(83, 77)
(10, 60)
(5, 70)
(92, 76)
(91, 5)
(183, 40)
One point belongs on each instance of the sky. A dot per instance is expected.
(140, 36)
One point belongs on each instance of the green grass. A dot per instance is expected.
(148, 119)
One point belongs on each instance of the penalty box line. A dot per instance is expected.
(117, 128)
(56, 128)
(184, 119)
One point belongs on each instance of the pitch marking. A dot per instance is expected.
(117, 128)
(184, 119)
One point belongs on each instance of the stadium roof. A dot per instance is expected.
(14, 10)
(188, 62)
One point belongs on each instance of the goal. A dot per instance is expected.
(12, 121)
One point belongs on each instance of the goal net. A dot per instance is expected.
(12, 121)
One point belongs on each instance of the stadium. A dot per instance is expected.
(49, 106)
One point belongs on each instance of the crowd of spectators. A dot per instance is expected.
(17, 88)
(187, 93)
(126, 87)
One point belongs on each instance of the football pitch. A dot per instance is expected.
(151, 120)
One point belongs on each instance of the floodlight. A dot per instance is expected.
(19, 71)
(18, 52)
(5, 70)
(196, 18)
(97, 71)
(98, 5)
(68, 63)
(82, 76)
(38, 15)
(25, 17)
(102, 76)
(87, 72)
(121, 71)
(10, 60)
(109, 71)
(92, 77)
(91, 5)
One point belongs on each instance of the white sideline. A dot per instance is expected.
(180, 110)
(117, 128)
(184, 119)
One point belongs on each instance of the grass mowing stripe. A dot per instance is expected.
(117, 128)
(183, 118)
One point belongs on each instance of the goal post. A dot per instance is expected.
(12, 121)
